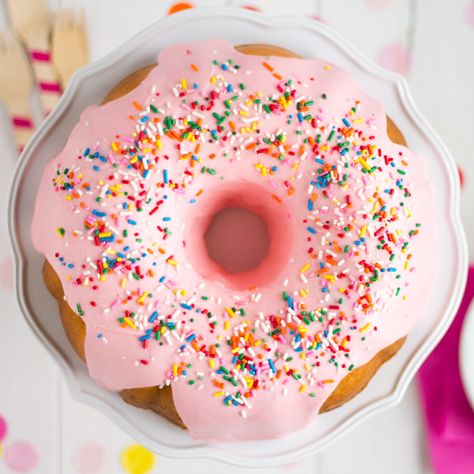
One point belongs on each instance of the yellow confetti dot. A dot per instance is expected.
(137, 460)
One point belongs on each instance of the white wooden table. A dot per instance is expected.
(432, 43)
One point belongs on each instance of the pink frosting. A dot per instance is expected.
(312, 158)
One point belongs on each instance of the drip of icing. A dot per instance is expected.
(294, 326)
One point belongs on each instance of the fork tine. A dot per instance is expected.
(79, 17)
(11, 41)
(3, 45)
(70, 18)
(59, 19)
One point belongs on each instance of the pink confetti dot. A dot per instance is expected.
(319, 18)
(3, 428)
(6, 273)
(461, 176)
(470, 14)
(380, 3)
(21, 456)
(89, 458)
(395, 57)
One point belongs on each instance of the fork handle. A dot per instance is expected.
(47, 80)
(21, 122)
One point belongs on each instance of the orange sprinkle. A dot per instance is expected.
(267, 66)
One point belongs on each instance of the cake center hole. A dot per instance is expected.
(237, 239)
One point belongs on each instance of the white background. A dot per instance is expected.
(438, 38)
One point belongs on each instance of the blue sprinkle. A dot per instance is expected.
(290, 302)
(153, 317)
(162, 279)
(165, 176)
(229, 88)
(346, 122)
(191, 337)
(132, 222)
(300, 116)
(186, 306)
(311, 230)
(167, 218)
(99, 213)
(96, 168)
(146, 173)
(87, 151)
(391, 269)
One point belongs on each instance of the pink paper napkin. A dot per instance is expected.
(449, 417)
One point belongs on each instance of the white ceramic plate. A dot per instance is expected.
(466, 354)
(308, 38)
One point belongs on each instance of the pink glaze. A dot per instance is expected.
(276, 185)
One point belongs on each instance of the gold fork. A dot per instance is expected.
(16, 81)
(69, 43)
(31, 19)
